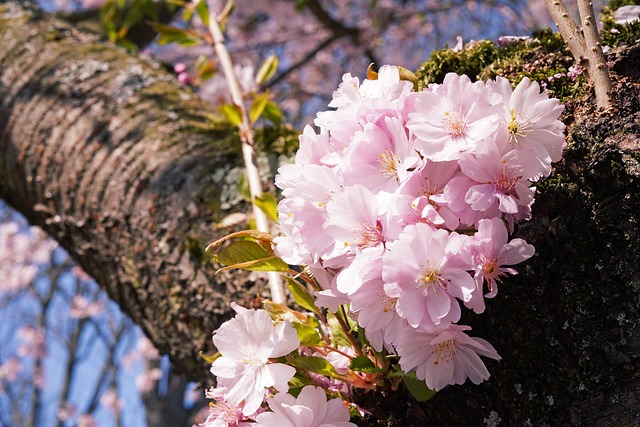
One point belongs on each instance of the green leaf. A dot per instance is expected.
(301, 295)
(339, 335)
(417, 388)
(202, 9)
(205, 67)
(268, 203)
(315, 364)
(297, 383)
(264, 238)
(232, 113)
(169, 34)
(363, 364)
(150, 9)
(272, 113)
(226, 12)
(267, 69)
(187, 14)
(257, 106)
(249, 255)
(308, 336)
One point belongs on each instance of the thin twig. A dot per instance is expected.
(248, 150)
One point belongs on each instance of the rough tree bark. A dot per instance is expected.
(127, 171)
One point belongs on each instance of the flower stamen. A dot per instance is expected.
(455, 124)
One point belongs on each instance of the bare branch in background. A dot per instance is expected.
(584, 45)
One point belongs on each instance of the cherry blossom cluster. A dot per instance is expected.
(402, 205)
(399, 211)
(248, 373)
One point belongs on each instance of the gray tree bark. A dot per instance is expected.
(128, 172)
(126, 169)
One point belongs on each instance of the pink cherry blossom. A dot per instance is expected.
(303, 211)
(309, 409)
(445, 357)
(86, 420)
(32, 342)
(246, 344)
(501, 179)
(223, 413)
(376, 310)
(421, 198)
(330, 296)
(10, 369)
(354, 220)
(491, 252)
(425, 273)
(81, 307)
(372, 204)
(530, 120)
(450, 119)
(380, 157)
(111, 401)
(66, 411)
(22, 250)
(147, 380)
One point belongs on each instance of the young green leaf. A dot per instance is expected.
(272, 113)
(205, 67)
(417, 388)
(257, 106)
(169, 34)
(268, 203)
(315, 364)
(202, 9)
(363, 364)
(263, 238)
(301, 295)
(226, 12)
(232, 113)
(339, 335)
(308, 336)
(267, 69)
(249, 255)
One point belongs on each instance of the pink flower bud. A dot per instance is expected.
(184, 78)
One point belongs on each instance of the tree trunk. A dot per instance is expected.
(129, 173)
(127, 170)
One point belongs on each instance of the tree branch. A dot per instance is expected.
(584, 45)
(598, 69)
(110, 156)
(302, 61)
(248, 150)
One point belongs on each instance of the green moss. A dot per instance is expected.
(613, 34)
(471, 60)
(281, 140)
(543, 58)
